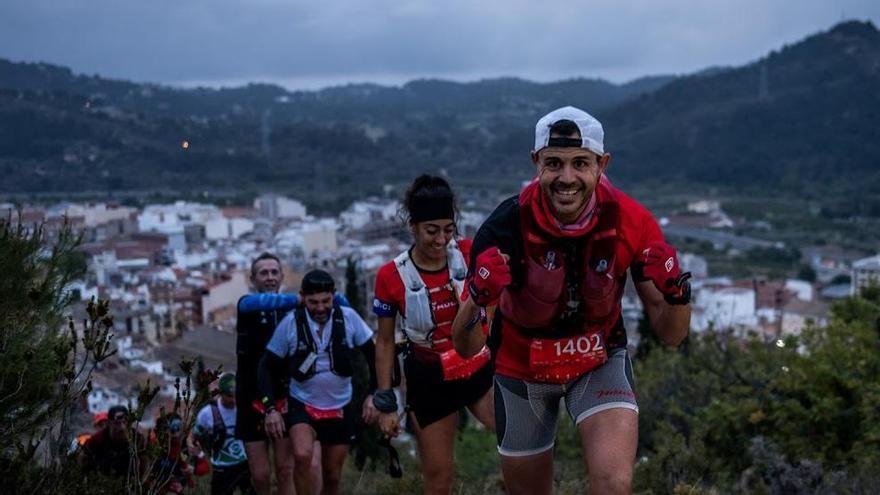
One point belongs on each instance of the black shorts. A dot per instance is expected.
(225, 480)
(431, 398)
(249, 424)
(329, 431)
(248, 421)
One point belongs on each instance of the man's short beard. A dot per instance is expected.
(316, 320)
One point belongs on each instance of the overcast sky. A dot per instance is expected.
(309, 44)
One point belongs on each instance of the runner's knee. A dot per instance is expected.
(284, 470)
(302, 455)
(610, 481)
(283, 466)
(438, 474)
(259, 473)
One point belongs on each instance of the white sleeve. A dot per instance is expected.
(205, 419)
(358, 331)
(280, 344)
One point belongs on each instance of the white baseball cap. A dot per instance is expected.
(592, 135)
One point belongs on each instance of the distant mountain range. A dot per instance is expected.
(800, 120)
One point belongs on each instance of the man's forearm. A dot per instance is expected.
(268, 363)
(467, 334)
(369, 351)
(267, 302)
(384, 356)
(672, 323)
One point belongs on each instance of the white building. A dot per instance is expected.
(103, 265)
(189, 260)
(222, 294)
(172, 219)
(802, 289)
(865, 272)
(93, 214)
(239, 226)
(320, 235)
(308, 237)
(794, 323)
(85, 291)
(722, 307)
(361, 213)
(704, 206)
(106, 263)
(370, 257)
(151, 367)
(274, 206)
(102, 399)
(695, 264)
(218, 228)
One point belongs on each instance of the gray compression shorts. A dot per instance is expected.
(526, 412)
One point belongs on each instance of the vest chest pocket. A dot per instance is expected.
(544, 284)
(599, 291)
(536, 303)
(418, 313)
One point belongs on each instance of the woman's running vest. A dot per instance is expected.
(418, 322)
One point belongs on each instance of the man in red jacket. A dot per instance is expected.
(554, 261)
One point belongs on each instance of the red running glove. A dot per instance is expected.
(659, 264)
(491, 276)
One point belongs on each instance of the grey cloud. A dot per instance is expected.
(284, 40)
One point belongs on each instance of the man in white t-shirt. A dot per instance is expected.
(215, 431)
(314, 345)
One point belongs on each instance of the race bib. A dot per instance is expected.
(562, 360)
(456, 367)
(319, 414)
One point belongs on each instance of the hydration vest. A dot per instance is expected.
(571, 286)
(253, 331)
(418, 322)
(340, 352)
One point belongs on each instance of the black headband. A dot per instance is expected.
(425, 209)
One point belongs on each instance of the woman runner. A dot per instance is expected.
(423, 286)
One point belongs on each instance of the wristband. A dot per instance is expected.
(480, 316)
(268, 406)
(385, 400)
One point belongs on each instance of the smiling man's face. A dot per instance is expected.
(568, 176)
(266, 276)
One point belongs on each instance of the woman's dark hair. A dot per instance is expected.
(428, 192)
